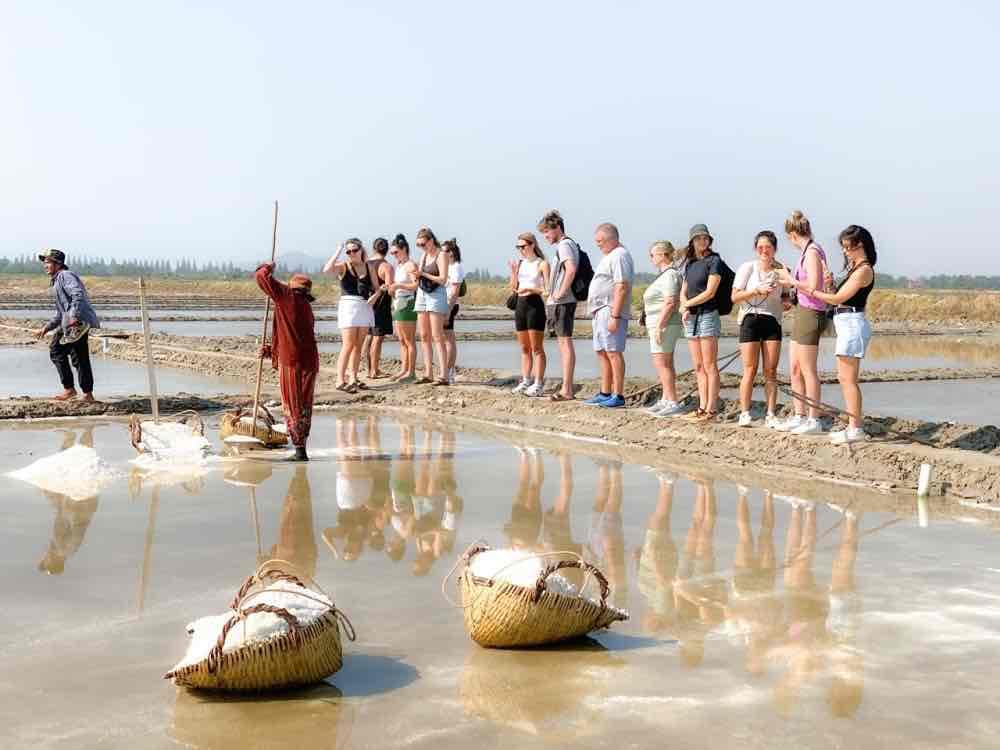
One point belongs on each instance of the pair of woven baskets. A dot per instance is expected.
(501, 614)
(303, 654)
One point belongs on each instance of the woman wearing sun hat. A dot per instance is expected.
(293, 350)
(702, 322)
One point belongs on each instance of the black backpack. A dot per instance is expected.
(724, 294)
(584, 273)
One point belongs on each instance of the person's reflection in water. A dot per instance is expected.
(526, 511)
(753, 610)
(607, 532)
(557, 533)
(429, 506)
(846, 662)
(700, 594)
(72, 516)
(296, 535)
(806, 608)
(657, 562)
(355, 482)
(454, 505)
(68, 530)
(378, 501)
(402, 486)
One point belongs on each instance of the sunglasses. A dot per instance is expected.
(355, 250)
(521, 247)
(421, 244)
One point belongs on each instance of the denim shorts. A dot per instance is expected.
(604, 340)
(703, 325)
(433, 302)
(853, 334)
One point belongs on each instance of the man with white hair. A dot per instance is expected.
(609, 304)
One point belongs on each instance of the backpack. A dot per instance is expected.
(580, 285)
(724, 294)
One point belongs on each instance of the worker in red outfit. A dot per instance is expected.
(293, 350)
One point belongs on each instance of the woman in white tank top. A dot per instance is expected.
(529, 278)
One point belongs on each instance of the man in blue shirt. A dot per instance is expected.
(73, 319)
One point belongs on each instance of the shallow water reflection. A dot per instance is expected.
(785, 621)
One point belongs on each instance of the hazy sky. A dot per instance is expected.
(166, 129)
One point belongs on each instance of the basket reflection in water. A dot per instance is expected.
(313, 716)
(566, 681)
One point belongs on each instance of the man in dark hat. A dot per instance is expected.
(73, 319)
(293, 350)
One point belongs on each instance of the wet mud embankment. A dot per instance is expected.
(966, 457)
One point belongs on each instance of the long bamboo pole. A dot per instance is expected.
(267, 315)
(154, 400)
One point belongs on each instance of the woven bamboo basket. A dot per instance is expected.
(302, 655)
(239, 423)
(190, 418)
(500, 614)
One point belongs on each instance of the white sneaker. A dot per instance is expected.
(534, 391)
(793, 422)
(810, 426)
(771, 422)
(521, 387)
(670, 409)
(655, 409)
(848, 435)
(745, 419)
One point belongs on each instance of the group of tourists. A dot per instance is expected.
(694, 288)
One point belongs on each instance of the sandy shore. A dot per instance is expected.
(966, 457)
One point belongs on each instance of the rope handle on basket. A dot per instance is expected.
(582, 565)
(480, 546)
(294, 629)
(265, 572)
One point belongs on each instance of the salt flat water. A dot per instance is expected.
(777, 621)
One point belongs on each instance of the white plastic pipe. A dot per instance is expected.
(924, 482)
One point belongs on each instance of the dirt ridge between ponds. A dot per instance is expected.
(966, 457)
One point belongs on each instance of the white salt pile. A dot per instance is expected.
(519, 567)
(260, 626)
(77, 472)
(172, 452)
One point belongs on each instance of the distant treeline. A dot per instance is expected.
(192, 269)
(87, 266)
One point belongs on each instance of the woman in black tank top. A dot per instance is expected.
(359, 288)
(380, 270)
(853, 329)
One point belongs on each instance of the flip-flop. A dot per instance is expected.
(422, 381)
(559, 397)
(359, 385)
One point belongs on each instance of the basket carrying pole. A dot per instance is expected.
(154, 400)
(267, 314)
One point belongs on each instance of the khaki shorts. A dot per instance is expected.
(808, 326)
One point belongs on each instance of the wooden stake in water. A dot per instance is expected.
(154, 400)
